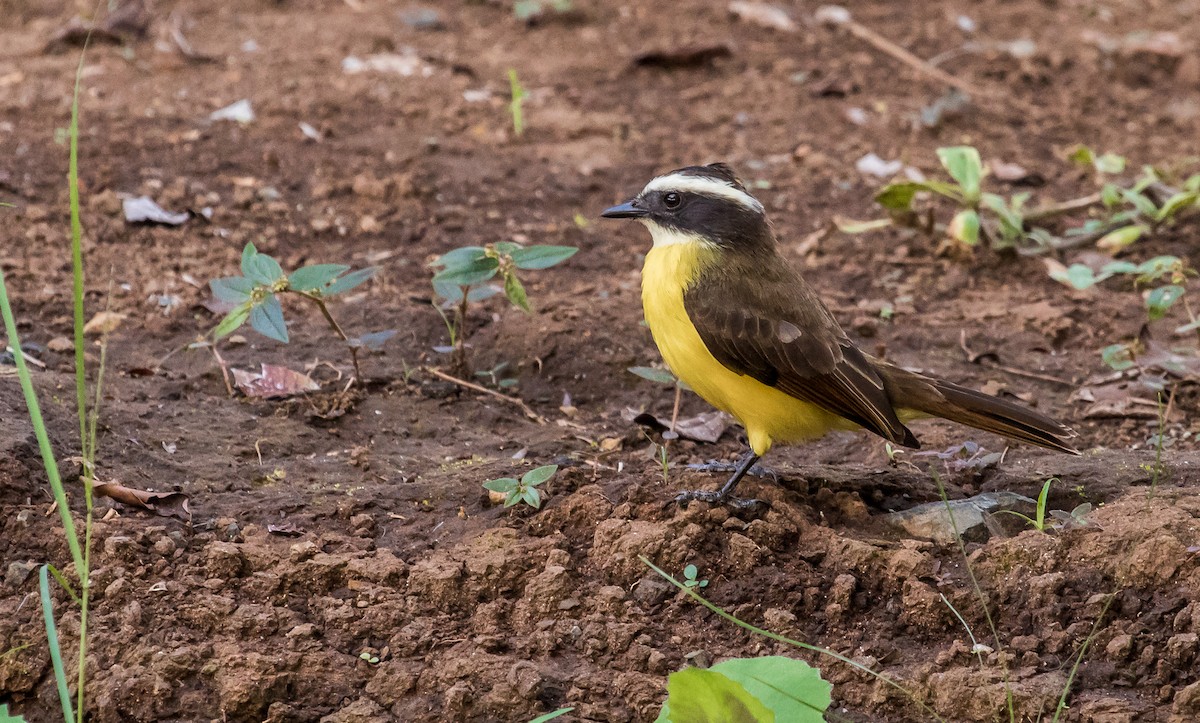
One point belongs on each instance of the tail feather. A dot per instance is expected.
(975, 409)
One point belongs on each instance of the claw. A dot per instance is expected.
(711, 497)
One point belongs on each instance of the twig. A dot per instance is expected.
(982, 360)
(838, 17)
(490, 392)
(224, 368)
(1058, 209)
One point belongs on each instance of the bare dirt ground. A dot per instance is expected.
(477, 613)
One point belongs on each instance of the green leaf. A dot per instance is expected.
(232, 289)
(475, 272)
(6, 717)
(532, 497)
(1161, 299)
(1175, 203)
(232, 321)
(373, 341)
(1082, 155)
(350, 281)
(504, 484)
(690, 572)
(538, 475)
(449, 291)
(260, 268)
(695, 695)
(516, 292)
(659, 376)
(1143, 204)
(857, 227)
(1110, 195)
(506, 248)
(514, 496)
(461, 257)
(542, 257)
(899, 196)
(1188, 327)
(1158, 267)
(311, 278)
(1118, 357)
(964, 227)
(480, 293)
(1076, 276)
(551, 716)
(792, 689)
(1116, 240)
(267, 319)
(964, 166)
(1110, 163)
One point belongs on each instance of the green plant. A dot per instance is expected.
(689, 578)
(464, 275)
(1038, 521)
(525, 489)
(551, 715)
(767, 689)
(516, 105)
(256, 297)
(528, 10)
(493, 376)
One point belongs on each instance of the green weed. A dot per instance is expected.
(516, 106)
(525, 489)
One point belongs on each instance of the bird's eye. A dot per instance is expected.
(671, 200)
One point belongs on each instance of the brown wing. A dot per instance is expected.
(768, 324)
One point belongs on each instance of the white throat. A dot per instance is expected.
(664, 236)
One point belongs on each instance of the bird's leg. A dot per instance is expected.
(724, 495)
(715, 466)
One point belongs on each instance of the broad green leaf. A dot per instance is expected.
(267, 319)
(514, 496)
(1116, 240)
(1113, 268)
(1110, 163)
(964, 227)
(232, 321)
(532, 497)
(1158, 267)
(516, 292)
(1159, 300)
(659, 376)
(261, 268)
(349, 281)
(232, 289)
(1192, 184)
(542, 257)
(1110, 195)
(1076, 276)
(1082, 155)
(504, 484)
(1117, 356)
(792, 689)
(480, 293)
(551, 716)
(311, 278)
(964, 166)
(1175, 203)
(538, 475)
(449, 291)
(695, 695)
(475, 272)
(690, 572)
(1143, 204)
(464, 256)
(898, 196)
(506, 248)
(6, 717)
(249, 251)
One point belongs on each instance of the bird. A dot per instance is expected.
(740, 326)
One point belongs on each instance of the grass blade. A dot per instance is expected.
(60, 675)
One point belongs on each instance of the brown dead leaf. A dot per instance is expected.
(273, 382)
(104, 322)
(167, 504)
(287, 529)
(704, 427)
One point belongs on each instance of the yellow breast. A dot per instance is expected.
(767, 413)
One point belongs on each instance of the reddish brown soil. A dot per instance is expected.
(479, 613)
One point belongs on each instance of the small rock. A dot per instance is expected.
(60, 345)
(18, 572)
(777, 620)
(1118, 648)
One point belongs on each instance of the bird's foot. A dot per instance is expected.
(741, 504)
(714, 466)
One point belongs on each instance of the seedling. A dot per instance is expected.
(689, 578)
(530, 10)
(516, 105)
(256, 295)
(464, 278)
(493, 376)
(1038, 521)
(525, 489)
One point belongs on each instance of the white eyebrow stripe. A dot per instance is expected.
(704, 187)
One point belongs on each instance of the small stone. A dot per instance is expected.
(778, 620)
(60, 345)
(18, 572)
(165, 546)
(1118, 648)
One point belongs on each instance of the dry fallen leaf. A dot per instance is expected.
(273, 382)
(167, 504)
(103, 323)
(704, 427)
(287, 529)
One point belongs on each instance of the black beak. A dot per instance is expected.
(626, 210)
